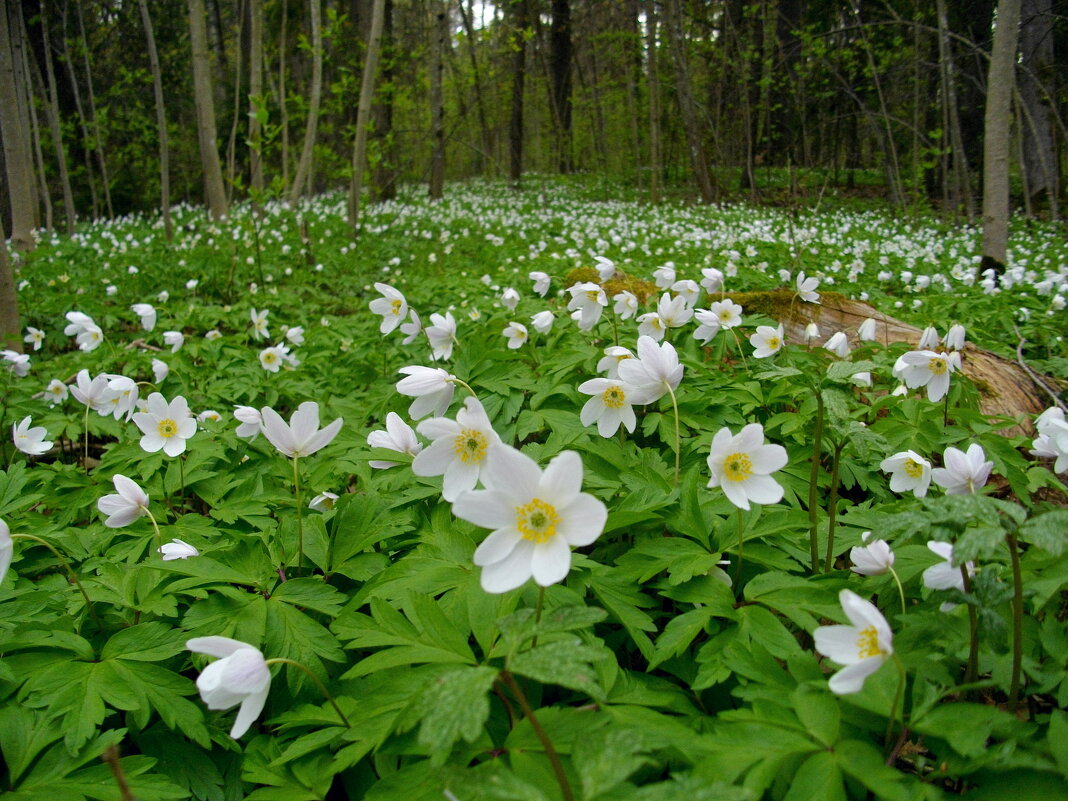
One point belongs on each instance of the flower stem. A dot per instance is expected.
(813, 484)
(70, 570)
(898, 701)
(971, 672)
(155, 525)
(300, 514)
(465, 385)
(741, 543)
(181, 474)
(678, 438)
(900, 589)
(543, 737)
(1017, 623)
(278, 660)
(832, 507)
(85, 430)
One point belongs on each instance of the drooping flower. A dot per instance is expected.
(93, 393)
(664, 276)
(124, 394)
(838, 344)
(909, 472)
(653, 373)
(442, 335)
(650, 325)
(712, 280)
(945, 575)
(541, 282)
(587, 302)
(240, 676)
(861, 647)
(954, 339)
(609, 406)
(516, 334)
(928, 338)
(34, 336)
(302, 435)
(458, 450)
(160, 370)
(30, 440)
(128, 505)
(18, 363)
(147, 313)
(536, 517)
(919, 368)
(741, 465)
(866, 330)
(398, 437)
(509, 298)
(767, 341)
(250, 419)
(964, 473)
(392, 306)
(295, 335)
(323, 502)
(411, 329)
(165, 426)
(85, 332)
(626, 304)
(708, 326)
(688, 290)
(806, 288)
(873, 558)
(432, 388)
(543, 321)
(177, 549)
(606, 268)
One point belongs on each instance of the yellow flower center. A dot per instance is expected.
(738, 466)
(395, 307)
(470, 445)
(937, 365)
(593, 295)
(537, 521)
(270, 357)
(167, 428)
(913, 469)
(868, 643)
(614, 397)
(774, 342)
(622, 357)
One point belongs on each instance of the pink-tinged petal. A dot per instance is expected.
(438, 427)
(512, 472)
(768, 458)
(562, 480)
(735, 493)
(838, 643)
(550, 561)
(582, 520)
(486, 508)
(497, 546)
(461, 477)
(511, 572)
(850, 679)
(435, 459)
(321, 439)
(215, 646)
(763, 489)
(249, 711)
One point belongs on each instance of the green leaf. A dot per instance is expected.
(818, 712)
(146, 642)
(818, 779)
(622, 599)
(1049, 531)
(452, 706)
(605, 759)
(865, 763)
(564, 662)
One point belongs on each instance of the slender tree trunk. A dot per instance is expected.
(10, 329)
(257, 101)
(384, 174)
(205, 109)
(44, 195)
(519, 72)
(18, 158)
(999, 90)
(480, 105)
(437, 105)
(961, 183)
(239, 66)
(1037, 91)
(94, 121)
(54, 124)
(161, 122)
(87, 150)
(363, 110)
(560, 71)
(687, 104)
(653, 81)
(283, 112)
(311, 127)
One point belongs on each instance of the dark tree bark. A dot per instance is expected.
(18, 157)
(256, 99)
(485, 153)
(161, 123)
(1037, 92)
(560, 72)
(304, 167)
(520, 12)
(76, 92)
(437, 107)
(653, 82)
(205, 108)
(363, 110)
(10, 328)
(97, 138)
(54, 124)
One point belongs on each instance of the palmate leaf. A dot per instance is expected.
(454, 705)
(12, 483)
(566, 662)
(624, 601)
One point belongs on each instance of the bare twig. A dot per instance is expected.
(1032, 374)
(111, 756)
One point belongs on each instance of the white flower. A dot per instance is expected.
(302, 435)
(442, 335)
(163, 296)
(861, 647)
(955, 337)
(712, 281)
(728, 312)
(165, 426)
(811, 331)
(128, 505)
(664, 276)
(609, 407)
(945, 575)
(93, 393)
(213, 334)
(398, 437)
(7, 549)
(250, 420)
(861, 379)
(458, 450)
(541, 282)
(653, 373)
(191, 284)
(626, 304)
(688, 290)
(30, 440)
(543, 321)
(175, 339)
(56, 392)
(89, 338)
(871, 559)
(742, 466)
(650, 325)
(866, 330)
(928, 338)
(609, 363)
(432, 388)
(838, 344)
(147, 313)
(767, 341)
(323, 502)
(587, 302)
(19, 362)
(177, 549)
(919, 368)
(34, 336)
(536, 517)
(674, 311)
(516, 334)
(295, 335)
(509, 298)
(392, 306)
(160, 370)
(273, 357)
(259, 323)
(241, 676)
(209, 415)
(124, 394)
(411, 329)
(964, 473)
(806, 288)
(606, 268)
(909, 472)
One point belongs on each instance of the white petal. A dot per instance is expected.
(512, 472)
(851, 679)
(509, 573)
(249, 711)
(582, 520)
(215, 646)
(838, 643)
(486, 508)
(497, 546)
(562, 480)
(763, 489)
(435, 459)
(550, 561)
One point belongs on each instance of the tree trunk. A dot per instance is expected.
(560, 73)
(653, 81)
(519, 72)
(97, 139)
(283, 112)
(485, 152)
(76, 91)
(1037, 92)
(257, 103)
(363, 110)
(10, 329)
(304, 167)
(205, 109)
(687, 104)
(54, 124)
(999, 88)
(960, 183)
(18, 158)
(161, 123)
(384, 174)
(437, 106)
(44, 196)
(239, 74)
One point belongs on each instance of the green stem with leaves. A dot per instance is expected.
(741, 543)
(542, 735)
(678, 436)
(832, 507)
(278, 660)
(300, 514)
(813, 484)
(900, 589)
(70, 571)
(899, 696)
